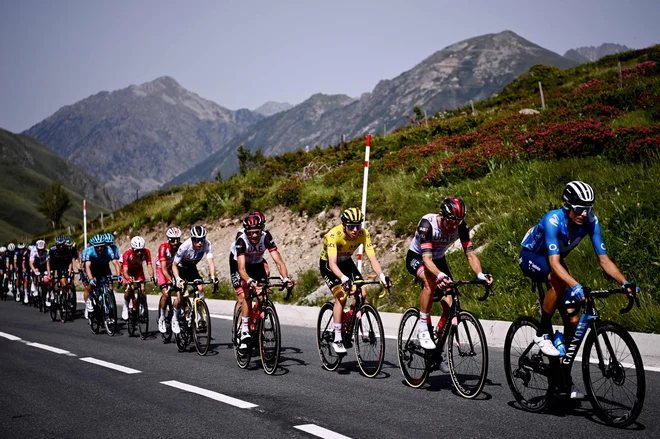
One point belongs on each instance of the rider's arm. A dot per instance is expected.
(606, 263)
(150, 267)
(611, 269)
(240, 259)
(281, 267)
(31, 263)
(211, 266)
(88, 270)
(47, 267)
(550, 224)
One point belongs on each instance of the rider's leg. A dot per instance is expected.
(128, 295)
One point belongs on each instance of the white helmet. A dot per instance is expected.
(198, 232)
(174, 232)
(11, 247)
(137, 243)
(21, 245)
(3, 249)
(41, 244)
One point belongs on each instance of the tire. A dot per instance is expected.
(201, 327)
(72, 304)
(369, 338)
(413, 359)
(131, 323)
(183, 338)
(96, 316)
(243, 356)
(169, 314)
(467, 355)
(40, 303)
(325, 334)
(63, 304)
(109, 312)
(142, 315)
(53, 309)
(270, 339)
(616, 388)
(527, 370)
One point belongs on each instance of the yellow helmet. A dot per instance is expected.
(352, 215)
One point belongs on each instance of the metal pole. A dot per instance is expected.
(85, 220)
(364, 193)
(542, 98)
(620, 77)
(102, 228)
(474, 113)
(426, 119)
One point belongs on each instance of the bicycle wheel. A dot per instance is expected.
(142, 315)
(467, 355)
(613, 374)
(53, 309)
(527, 369)
(270, 339)
(183, 337)
(131, 323)
(325, 335)
(108, 313)
(369, 339)
(167, 335)
(95, 316)
(242, 355)
(71, 303)
(202, 327)
(62, 305)
(413, 359)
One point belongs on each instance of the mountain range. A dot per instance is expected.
(590, 53)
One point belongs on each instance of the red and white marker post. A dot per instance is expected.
(364, 194)
(85, 220)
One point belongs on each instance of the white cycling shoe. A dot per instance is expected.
(124, 313)
(175, 326)
(162, 328)
(576, 393)
(425, 339)
(245, 338)
(545, 344)
(338, 346)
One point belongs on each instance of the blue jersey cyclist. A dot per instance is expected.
(546, 245)
(96, 259)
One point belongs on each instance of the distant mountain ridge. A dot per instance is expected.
(590, 53)
(473, 69)
(271, 107)
(139, 137)
(27, 167)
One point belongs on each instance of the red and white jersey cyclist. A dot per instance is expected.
(132, 263)
(164, 262)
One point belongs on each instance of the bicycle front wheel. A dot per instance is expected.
(109, 313)
(269, 339)
(526, 368)
(613, 374)
(413, 359)
(242, 355)
(369, 340)
(467, 354)
(183, 337)
(142, 315)
(202, 327)
(325, 335)
(54, 307)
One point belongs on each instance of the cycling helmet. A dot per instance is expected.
(11, 247)
(41, 244)
(253, 222)
(578, 193)
(96, 240)
(352, 215)
(452, 209)
(68, 242)
(260, 215)
(59, 239)
(3, 249)
(20, 246)
(137, 243)
(198, 232)
(108, 238)
(173, 233)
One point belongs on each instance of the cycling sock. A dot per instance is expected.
(244, 323)
(546, 324)
(423, 324)
(337, 332)
(161, 313)
(176, 314)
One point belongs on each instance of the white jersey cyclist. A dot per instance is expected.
(39, 260)
(186, 255)
(254, 254)
(430, 237)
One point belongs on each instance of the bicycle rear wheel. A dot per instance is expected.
(167, 335)
(183, 337)
(142, 315)
(242, 355)
(53, 309)
(202, 327)
(467, 354)
(527, 369)
(413, 359)
(131, 323)
(613, 374)
(369, 340)
(108, 313)
(325, 335)
(269, 339)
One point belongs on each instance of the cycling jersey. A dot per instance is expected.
(60, 259)
(186, 255)
(134, 261)
(97, 260)
(336, 244)
(165, 256)
(430, 239)
(39, 259)
(254, 254)
(551, 235)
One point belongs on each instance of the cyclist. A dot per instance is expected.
(547, 244)
(166, 253)
(184, 267)
(427, 262)
(337, 267)
(10, 266)
(40, 263)
(3, 269)
(61, 261)
(247, 263)
(132, 269)
(109, 240)
(20, 267)
(96, 259)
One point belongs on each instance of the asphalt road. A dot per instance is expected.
(64, 392)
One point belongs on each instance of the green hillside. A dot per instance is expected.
(27, 167)
(510, 169)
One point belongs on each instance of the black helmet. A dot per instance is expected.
(352, 215)
(253, 222)
(578, 193)
(60, 239)
(452, 209)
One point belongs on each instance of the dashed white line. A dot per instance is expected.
(110, 365)
(320, 431)
(210, 394)
(9, 336)
(45, 347)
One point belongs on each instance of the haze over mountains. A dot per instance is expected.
(158, 133)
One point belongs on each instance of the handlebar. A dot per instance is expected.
(601, 294)
(458, 283)
(281, 286)
(194, 283)
(360, 282)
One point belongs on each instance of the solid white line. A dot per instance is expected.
(109, 365)
(45, 347)
(628, 365)
(320, 431)
(219, 316)
(9, 336)
(210, 394)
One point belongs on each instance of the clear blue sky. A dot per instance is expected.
(241, 54)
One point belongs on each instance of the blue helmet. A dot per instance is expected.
(108, 238)
(96, 239)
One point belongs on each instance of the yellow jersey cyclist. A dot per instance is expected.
(337, 267)
(426, 260)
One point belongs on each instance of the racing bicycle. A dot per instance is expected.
(138, 312)
(194, 318)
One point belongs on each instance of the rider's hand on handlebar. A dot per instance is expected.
(486, 277)
(251, 284)
(577, 294)
(92, 282)
(385, 281)
(632, 289)
(215, 279)
(346, 283)
(442, 281)
(288, 283)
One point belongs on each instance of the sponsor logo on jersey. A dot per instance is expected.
(554, 220)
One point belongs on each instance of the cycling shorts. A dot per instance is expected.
(189, 272)
(162, 282)
(347, 267)
(415, 264)
(136, 273)
(97, 272)
(255, 271)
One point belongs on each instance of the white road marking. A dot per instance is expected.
(320, 431)
(219, 316)
(210, 394)
(9, 336)
(45, 347)
(627, 365)
(110, 365)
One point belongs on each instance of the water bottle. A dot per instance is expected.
(559, 343)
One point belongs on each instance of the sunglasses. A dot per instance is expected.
(453, 222)
(197, 240)
(581, 209)
(175, 241)
(353, 227)
(253, 232)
